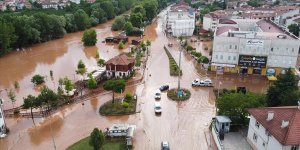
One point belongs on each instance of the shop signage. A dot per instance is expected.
(252, 61)
(253, 42)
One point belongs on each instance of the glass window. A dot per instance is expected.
(234, 57)
(230, 47)
(229, 57)
(216, 56)
(295, 147)
(254, 137)
(264, 144)
(235, 46)
(272, 49)
(293, 49)
(257, 124)
(221, 56)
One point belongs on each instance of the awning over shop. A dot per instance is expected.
(223, 65)
(272, 78)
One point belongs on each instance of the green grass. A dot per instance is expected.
(173, 96)
(174, 68)
(108, 145)
(116, 108)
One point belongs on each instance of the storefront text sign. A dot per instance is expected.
(253, 42)
(252, 61)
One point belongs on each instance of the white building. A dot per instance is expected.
(2, 121)
(253, 47)
(274, 128)
(120, 66)
(210, 20)
(180, 20)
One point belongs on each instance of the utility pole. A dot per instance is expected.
(51, 132)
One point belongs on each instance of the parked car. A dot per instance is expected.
(164, 87)
(157, 94)
(198, 82)
(165, 145)
(157, 108)
(119, 129)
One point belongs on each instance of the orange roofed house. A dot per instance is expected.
(120, 66)
(274, 128)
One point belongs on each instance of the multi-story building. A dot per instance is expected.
(250, 46)
(2, 121)
(180, 20)
(274, 128)
(210, 20)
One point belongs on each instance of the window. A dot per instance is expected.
(257, 124)
(216, 56)
(293, 50)
(221, 57)
(234, 57)
(254, 137)
(264, 144)
(229, 57)
(272, 49)
(230, 47)
(295, 147)
(235, 47)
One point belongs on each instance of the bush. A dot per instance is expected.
(121, 45)
(118, 24)
(92, 83)
(189, 48)
(135, 32)
(174, 68)
(37, 79)
(89, 37)
(125, 104)
(128, 97)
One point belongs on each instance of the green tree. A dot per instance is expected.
(284, 91)
(97, 139)
(37, 79)
(101, 62)
(108, 7)
(11, 94)
(70, 23)
(7, 36)
(235, 105)
(30, 102)
(48, 98)
(128, 28)
(148, 43)
(294, 28)
(118, 23)
(136, 19)
(69, 85)
(121, 45)
(89, 37)
(16, 85)
(139, 9)
(150, 7)
(92, 83)
(81, 69)
(114, 86)
(253, 3)
(81, 20)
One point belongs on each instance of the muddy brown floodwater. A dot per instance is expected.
(184, 124)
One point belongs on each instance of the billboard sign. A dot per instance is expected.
(252, 61)
(253, 42)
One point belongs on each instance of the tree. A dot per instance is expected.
(37, 79)
(70, 23)
(30, 102)
(69, 85)
(97, 139)
(11, 94)
(294, 28)
(118, 24)
(253, 3)
(114, 86)
(148, 43)
(136, 19)
(108, 7)
(284, 91)
(128, 28)
(139, 9)
(7, 36)
(89, 37)
(151, 9)
(81, 20)
(47, 97)
(16, 85)
(101, 62)
(235, 105)
(81, 69)
(92, 83)
(121, 45)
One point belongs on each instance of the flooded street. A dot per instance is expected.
(183, 124)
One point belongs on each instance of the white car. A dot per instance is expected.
(198, 82)
(157, 94)
(157, 108)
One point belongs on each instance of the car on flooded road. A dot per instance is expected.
(206, 82)
(164, 87)
(165, 145)
(157, 108)
(157, 94)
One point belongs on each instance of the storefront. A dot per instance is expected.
(221, 68)
(255, 65)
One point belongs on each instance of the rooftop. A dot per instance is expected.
(223, 119)
(289, 135)
(181, 6)
(120, 60)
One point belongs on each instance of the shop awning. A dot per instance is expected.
(272, 78)
(223, 65)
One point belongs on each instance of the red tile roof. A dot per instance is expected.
(120, 60)
(289, 135)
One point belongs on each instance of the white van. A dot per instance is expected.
(157, 108)
(157, 94)
(119, 129)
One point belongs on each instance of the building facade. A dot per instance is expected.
(253, 47)
(2, 120)
(274, 128)
(180, 20)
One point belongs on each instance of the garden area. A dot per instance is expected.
(173, 95)
(123, 106)
(174, 68)
(97, 141)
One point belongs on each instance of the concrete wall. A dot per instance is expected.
(216, 138)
